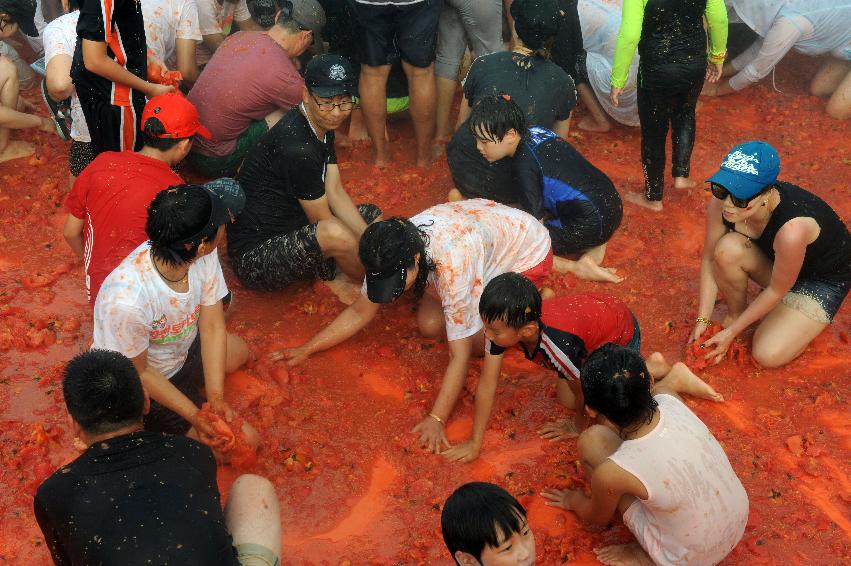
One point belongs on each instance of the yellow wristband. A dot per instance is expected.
(435, 417)
(717, 58)
(703, 320)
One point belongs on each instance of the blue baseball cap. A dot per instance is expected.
(748, 169)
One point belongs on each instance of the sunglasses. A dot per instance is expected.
(722, 193)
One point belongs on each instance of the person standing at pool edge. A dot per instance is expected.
(672, 43)
(787, 240)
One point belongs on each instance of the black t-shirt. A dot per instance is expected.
(126, 44)
(552, 177)
(543, 91)
(673, 44)
(142, 498)
(287, 165)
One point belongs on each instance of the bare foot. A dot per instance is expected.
(16, 149)
(684, 183)
(436, 151)
(682, 380)
(589, 124)
(585, 268)
(641, 200)
(344, 289)
(623, 555)
(559, 430)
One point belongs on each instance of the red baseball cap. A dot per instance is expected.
(177, 114)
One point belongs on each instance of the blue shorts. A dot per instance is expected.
(816, 298)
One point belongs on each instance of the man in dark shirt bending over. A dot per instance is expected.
(136, 497)
(299, 223)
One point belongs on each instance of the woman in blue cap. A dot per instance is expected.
(787, 240)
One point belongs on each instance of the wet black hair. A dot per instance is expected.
(176, 214)
(617, 384)
(396, 242)
(103, 391)
(150, 132)
(511, 298)
(479, 514)
(73, 5)
(493, 116)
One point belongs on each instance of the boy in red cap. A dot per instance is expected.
(108, 204)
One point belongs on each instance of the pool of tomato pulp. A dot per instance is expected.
(354, 486)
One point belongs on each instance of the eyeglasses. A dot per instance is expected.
(722, 193)
(344, 106)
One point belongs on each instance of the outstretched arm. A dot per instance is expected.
(485, 395)
(431, 429)
(346, 325)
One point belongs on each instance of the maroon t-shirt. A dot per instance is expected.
(112, 195)
(249, 77)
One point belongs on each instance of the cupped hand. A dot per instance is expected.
(157, 89)
(558, 498)
(697, 331)
(207, 433)
(294, 356)
(717, 346)
(615, 95)
(432, 435)
(466, 452)
(713, 71)
(559, 430)
(221, 408)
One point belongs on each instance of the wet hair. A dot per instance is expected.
(73, 5)
(396, 242)
(178, 222)
(284, 17)
(475, 516)
(103, 391)
(150, 132)
(617, 384)
(494, 116)
(511, 298)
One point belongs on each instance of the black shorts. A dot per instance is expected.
(189, 380)
(295, 256)
(584, 228)
(79, 156)
(473, 175)
(113, 128)
(387, 33)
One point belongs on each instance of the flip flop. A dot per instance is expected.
(61, 117)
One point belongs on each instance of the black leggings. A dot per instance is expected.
(656, 109)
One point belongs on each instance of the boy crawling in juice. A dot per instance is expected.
(649, 458)
(559, 333)
(483, 525)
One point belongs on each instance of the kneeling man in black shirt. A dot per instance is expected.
(298, 222)
(136, 497)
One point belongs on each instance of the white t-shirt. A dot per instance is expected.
(218, 17)
(697, 508)
(136, 311)
(166, 21)
(60, 38)
(470, 243)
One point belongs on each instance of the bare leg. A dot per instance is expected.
(597, 120)
(423, 94)
(252, 513)
(430, 317)
(828, 78)
(679, 379)
(237, 353)
(641, 200)
(735, 261)
(783, 335)
(337, 241)
(445, 93)
(373, 101)
(839, 105)
(8, 110)
(684, 183)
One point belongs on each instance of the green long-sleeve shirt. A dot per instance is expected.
(630, 34)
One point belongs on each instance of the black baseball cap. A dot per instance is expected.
(331, 75)
(535, 21)
(22, 12)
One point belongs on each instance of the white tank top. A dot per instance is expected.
(697, 508)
